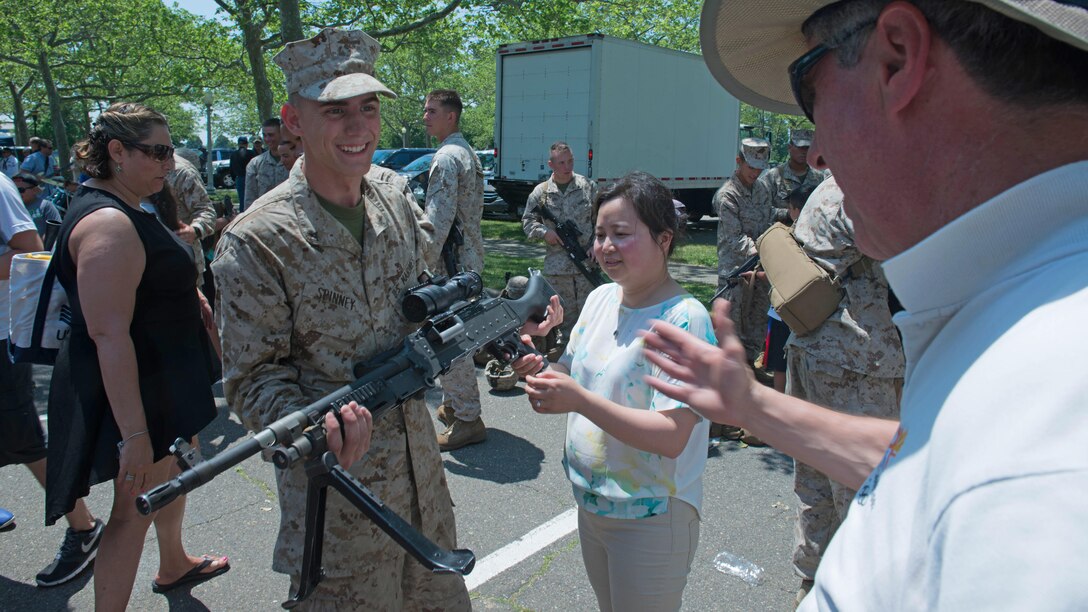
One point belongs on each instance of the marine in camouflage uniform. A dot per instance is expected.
(773, 189)
(570, 202)
(740, 222)
(262, 174)
(455, 191)
(852, 363)
(195, 209)
(301, 301)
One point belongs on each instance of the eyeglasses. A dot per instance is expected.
(157, 152)
(803, 92)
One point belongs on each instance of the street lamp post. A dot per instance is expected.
(34, 119)
(404, 137)
(208, 106)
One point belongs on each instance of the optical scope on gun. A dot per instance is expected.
(439, 294)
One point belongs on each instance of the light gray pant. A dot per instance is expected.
(640, 564)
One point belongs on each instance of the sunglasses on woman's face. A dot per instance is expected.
(157, 152)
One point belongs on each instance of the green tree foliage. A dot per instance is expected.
(88, 54)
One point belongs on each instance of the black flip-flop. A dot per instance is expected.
(193, 576)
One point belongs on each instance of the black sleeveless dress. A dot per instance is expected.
(173, 357)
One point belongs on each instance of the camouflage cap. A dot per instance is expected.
(756, 152)
(516, 287)
(334, 65)
(801, 138)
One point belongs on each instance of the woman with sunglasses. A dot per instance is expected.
(134, 374)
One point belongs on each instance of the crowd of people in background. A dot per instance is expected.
(171, 292)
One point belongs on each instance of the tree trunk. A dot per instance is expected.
(22, 133)
(251, 38)
(56, 114)
(290, 21)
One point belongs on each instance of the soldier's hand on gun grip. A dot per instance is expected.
(552, 238)
(351, 442)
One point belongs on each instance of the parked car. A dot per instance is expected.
(380, 155)
(400, 158)
(221, 168)
(416, 173)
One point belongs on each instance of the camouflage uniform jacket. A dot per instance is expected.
(262, 174)
(194, 207)
(773, 187)
(299, 303)
(455, 189)
(859, 336)
(740, 222)
(575, 205)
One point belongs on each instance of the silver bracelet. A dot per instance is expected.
(122, 443)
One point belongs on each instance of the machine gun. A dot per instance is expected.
(734, 276)
(568, 237)
(456, 323)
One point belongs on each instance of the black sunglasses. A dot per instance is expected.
(157, 152)
(26, 189)
(799, 69)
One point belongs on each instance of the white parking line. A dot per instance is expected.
(522, 548)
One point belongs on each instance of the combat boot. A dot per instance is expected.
(806, 586)
(462, 433)
(445, 415)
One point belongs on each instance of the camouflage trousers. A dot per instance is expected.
(822, 503)
(750, 302)
(573, 290)
(461, 391)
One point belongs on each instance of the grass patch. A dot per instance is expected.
(701, 291)
(502, 230)
(696, 255)
(496, 267)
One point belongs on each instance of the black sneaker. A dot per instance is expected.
(76, 553)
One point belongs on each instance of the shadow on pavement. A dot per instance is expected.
(504, 458)
(22, 596)
(772, 460)
(181, 600)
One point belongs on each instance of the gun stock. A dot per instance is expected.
(734, 277)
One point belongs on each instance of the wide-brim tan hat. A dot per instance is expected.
(749, 44)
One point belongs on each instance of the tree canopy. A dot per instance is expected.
(61, 61)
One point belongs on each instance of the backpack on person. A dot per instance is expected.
(802, 292)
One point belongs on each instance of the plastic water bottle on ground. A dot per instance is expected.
(736, 565)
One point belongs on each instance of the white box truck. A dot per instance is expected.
(621, 106)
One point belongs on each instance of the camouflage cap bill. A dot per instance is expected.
(749, 44)
(756, 152)
(334, 65)
(801, 138)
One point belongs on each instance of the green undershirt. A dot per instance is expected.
(353, 219)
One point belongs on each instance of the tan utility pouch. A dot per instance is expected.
(802, 292)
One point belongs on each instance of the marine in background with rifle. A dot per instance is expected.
(310, 282)
(567, 198)
(740, 223)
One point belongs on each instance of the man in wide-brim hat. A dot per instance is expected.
(958, 132)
